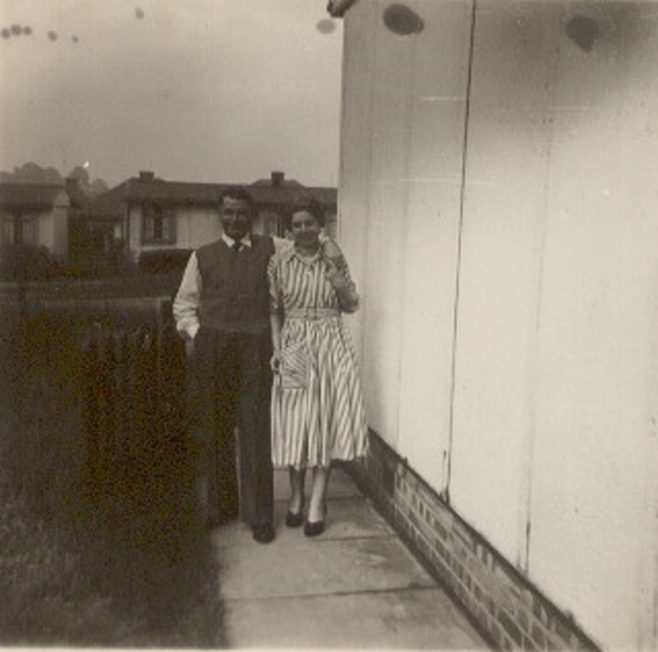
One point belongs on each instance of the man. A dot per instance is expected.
(222, 311)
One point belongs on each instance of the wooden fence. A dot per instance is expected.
(131, 367)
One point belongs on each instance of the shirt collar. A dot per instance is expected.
(245, 242)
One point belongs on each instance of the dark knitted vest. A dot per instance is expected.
(234, 293)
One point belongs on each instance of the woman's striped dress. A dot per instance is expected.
(317, 404)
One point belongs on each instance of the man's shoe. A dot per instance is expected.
(263, 533)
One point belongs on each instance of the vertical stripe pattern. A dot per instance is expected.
(317, 403)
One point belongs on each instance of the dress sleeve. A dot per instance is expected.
(281, 244)
(274, 285)
(348, 298)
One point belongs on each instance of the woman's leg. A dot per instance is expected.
(317, 505)
(296, 503)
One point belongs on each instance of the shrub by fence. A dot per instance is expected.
(35, 263)
(95, 381)
(129, 371)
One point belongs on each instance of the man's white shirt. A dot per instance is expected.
(188, 298)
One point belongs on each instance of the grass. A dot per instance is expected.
(126, 564)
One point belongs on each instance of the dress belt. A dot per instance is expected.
(312, 314)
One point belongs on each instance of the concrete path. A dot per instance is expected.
(355, 586)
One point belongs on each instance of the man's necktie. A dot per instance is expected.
(237, 245)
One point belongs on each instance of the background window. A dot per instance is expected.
(159, 225)
(19, 230)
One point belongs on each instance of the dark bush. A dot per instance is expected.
(27, 263)
(161, 261)
(116, 261)
(95, 555)
(36, 263)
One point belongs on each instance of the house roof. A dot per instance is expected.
(327, 196)
(138, 189)
(29, 195)
(175, 192)
(157, 190)
(112, 204)
(265, 192)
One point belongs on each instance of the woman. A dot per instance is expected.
(317, 406)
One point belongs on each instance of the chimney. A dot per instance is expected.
(277, 179)
(146, 175)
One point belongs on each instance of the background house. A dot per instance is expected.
(275, 195)
(33, 214)
(151, 214)
(497, 165)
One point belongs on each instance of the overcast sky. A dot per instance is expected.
(195, 90)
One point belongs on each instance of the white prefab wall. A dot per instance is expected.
(523, 213)
(401, 170)
(593, 474)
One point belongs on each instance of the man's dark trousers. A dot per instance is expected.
(230, 384)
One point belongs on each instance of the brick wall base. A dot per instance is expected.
(499, 600)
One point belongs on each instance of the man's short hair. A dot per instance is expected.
(239, 193)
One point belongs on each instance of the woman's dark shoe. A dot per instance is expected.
(312, 529)
(294, 520)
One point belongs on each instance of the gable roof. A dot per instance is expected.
(139, 189)
(266, 193)
(113, 202)
(175, 192)
(29, 195)
(326, 195)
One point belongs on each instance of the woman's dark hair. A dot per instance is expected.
(238, 193)
(304, 204)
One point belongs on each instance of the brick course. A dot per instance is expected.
(508, 610)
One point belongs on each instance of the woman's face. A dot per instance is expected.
(305, 229)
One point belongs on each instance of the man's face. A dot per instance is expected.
(236, 217)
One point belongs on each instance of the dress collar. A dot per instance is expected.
(292, 252)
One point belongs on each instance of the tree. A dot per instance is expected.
(32, 173)
(87, 186)
(97, 187)
(80, 173)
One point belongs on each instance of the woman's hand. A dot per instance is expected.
(337, 274)
(275, 362)
(333, 257)
(334, 275)
(331, 250)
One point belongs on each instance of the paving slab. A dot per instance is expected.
(355, 586)
(313, 566)
(413, 619)
(353, 518)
